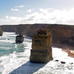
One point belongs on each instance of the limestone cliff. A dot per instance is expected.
(23, 28)
(9, 28)
(60, 33)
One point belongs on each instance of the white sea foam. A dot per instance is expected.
(8, 37)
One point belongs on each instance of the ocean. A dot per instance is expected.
(15, 58)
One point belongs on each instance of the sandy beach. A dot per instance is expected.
(67, 48)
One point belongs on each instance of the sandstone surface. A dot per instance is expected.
(41, 47)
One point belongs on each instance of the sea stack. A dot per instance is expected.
(1, 31)
(19, 38)
(41, 51)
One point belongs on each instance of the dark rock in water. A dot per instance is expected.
(1, 31)
(19, 38)
(71, 63)
(57, 60)
(63, 62)
(41, 51)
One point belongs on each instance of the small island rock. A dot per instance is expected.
(19, 38)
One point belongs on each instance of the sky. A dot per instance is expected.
(36, 11)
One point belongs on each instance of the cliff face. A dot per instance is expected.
(23, 28)
(9, 28)
(60, 33)
(35, 27)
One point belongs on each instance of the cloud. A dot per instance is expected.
(7, 17)
(45, 10)
(14, 9)
(10, 20)
(30, 10)
(44, 16)
(21, 6)
(54, 16)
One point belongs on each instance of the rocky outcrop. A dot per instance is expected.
(41, 51)
(19, 38)
(1, 31)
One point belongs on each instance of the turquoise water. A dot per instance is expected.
(8, 44)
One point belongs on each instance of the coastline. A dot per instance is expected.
(66, 48)
(63, 46)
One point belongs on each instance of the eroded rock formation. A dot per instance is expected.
(41, 51)
(1, 31)
(19, 38)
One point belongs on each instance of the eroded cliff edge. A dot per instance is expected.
(63, 34)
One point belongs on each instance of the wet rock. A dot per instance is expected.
(1, 31)
(63, 62)
(71, 63)
(57, 60)
(19, 38)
